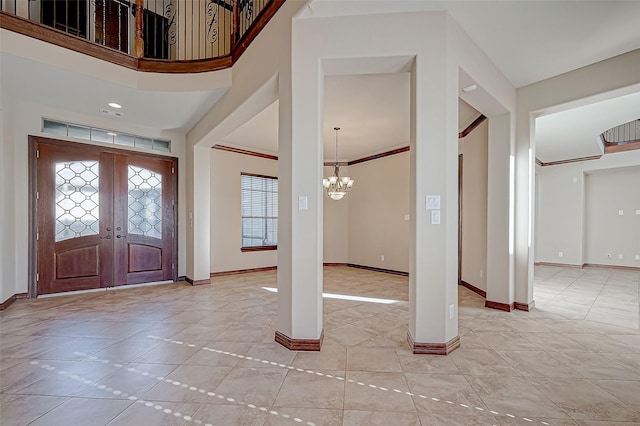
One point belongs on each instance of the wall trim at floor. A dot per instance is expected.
(242, 271)
(197, 282)
(4, 305)
(474, 289)
(371, 268)
(525, 306)
(624, 268)
(424, 348)
(588, 265)
(507, 307)
(562, 265)
(299, 344)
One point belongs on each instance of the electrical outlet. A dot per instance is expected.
(637, 211)
(560, 254)
(620, 212)
(406, 217)
(452, 311)
(637, 256)
(382, 258)
(620, 256)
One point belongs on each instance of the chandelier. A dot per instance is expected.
(337, 186)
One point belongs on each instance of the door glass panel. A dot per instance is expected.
(145, 202)
(77, 199)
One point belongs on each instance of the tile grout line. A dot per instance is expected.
(165, 379)
(344, 379)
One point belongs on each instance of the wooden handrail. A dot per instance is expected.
(17, 24)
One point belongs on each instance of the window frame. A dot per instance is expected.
(244, 248)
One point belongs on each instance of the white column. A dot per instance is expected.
(199, 215)
(500, 215)
(433, 266)
(300, 165)
(524, 225)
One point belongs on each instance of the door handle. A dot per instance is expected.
(121, 236)
(108, 237)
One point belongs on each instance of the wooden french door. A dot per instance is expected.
(105, 217)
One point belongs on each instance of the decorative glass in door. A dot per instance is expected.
(145, 202)
(77, 199)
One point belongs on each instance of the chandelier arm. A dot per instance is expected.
(336, 147)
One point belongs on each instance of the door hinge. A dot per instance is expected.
(173, 202)
(173, 170)
(37, 195)
(37, 236)
(37, 276)
(37, 153)
(173, 266)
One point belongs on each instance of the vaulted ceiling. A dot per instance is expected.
(528, 40)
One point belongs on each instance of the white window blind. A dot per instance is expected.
(259, 211)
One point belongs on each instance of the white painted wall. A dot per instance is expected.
(614, 77)
(607, 233)
(571, 214)
(474, 148)
(560, 219)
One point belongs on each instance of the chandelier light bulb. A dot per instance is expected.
(337, 186)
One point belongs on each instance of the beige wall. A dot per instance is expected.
(336, 225)
(226, 220)
(474, 206)
(8, 275)
(378, 203)
(607, 234)
(575, 199)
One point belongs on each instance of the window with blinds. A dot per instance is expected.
(259, 212)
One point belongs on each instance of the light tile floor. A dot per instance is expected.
(182, 355)
(609, 296)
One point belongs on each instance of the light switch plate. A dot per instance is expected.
(433, 202)
(303, 202)
(435, 217)
(620, 212)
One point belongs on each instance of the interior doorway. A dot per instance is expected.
(103, 217)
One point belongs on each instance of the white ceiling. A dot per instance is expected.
(575, 133)
(371, 110)
(84, 93)
(527, 40)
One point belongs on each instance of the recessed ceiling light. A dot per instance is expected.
(115, 105)
(469, 88)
